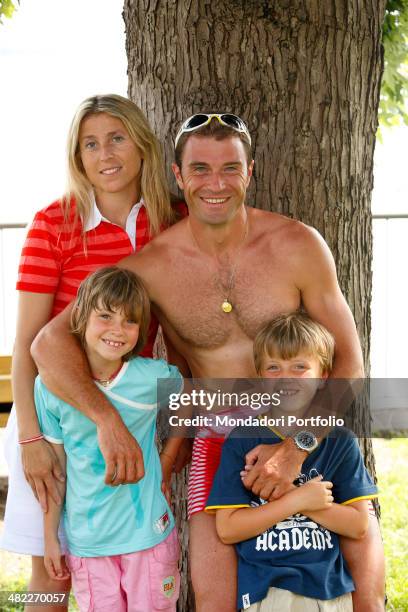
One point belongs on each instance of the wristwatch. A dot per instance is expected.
(305, 441)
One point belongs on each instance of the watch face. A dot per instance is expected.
(306, 440)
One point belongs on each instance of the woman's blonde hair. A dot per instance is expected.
(110, 289)
(289, 334)
(153, 184)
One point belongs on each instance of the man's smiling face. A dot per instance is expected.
(214, 176)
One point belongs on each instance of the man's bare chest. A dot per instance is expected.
(190, 302)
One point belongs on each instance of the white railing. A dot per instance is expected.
(11, 240)
(389, 337)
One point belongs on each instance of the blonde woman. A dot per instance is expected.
(117, 200)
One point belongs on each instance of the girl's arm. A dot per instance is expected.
(238, 524)
(176, 452)
(168, 457)
(184, 451)
(171, 448)
(349, 520)
(40, 464)
(53, 560)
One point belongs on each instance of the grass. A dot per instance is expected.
(17, 584)
(392, 466)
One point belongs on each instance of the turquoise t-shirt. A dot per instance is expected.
(100, 520)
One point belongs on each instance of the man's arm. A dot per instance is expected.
(64, 369)
(270, 470)
(325, 303)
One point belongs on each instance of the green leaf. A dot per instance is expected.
(7, 8)
(394, 90)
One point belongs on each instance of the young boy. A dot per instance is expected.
(289, 557)
(123, 549)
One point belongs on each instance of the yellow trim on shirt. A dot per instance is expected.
(277, 433)
(356, 499)
(212, 509)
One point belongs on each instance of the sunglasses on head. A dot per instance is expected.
(199, 120)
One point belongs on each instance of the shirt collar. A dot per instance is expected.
(96, 217)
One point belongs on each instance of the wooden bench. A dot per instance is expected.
(5, 379)
(6, 396)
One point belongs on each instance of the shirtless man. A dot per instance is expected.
(213, 278)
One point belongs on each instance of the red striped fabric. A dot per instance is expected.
(53, 258)
(204, 463)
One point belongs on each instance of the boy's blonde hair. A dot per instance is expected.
(289, 334)
(110, 289)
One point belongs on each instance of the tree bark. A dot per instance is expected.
(305, 75)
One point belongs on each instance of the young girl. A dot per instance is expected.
(123, 549)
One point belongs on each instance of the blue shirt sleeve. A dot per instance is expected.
(227, 489)
(351, 481)
(48, 421)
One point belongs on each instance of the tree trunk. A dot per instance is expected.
(305, 75)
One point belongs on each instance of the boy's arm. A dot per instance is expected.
(238, 524)
(53, 560)
(350, 520)
(352, 488)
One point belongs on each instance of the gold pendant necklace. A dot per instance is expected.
(226, 305)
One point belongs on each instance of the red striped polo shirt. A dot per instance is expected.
(54, 260)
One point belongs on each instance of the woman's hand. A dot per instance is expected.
(42, 469)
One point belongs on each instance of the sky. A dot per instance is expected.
(390, 194)
(55, 53)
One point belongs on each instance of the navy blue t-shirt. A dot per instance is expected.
(296, 554)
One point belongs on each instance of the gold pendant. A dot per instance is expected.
(226, 306)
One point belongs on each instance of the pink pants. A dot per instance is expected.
(144, 581)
